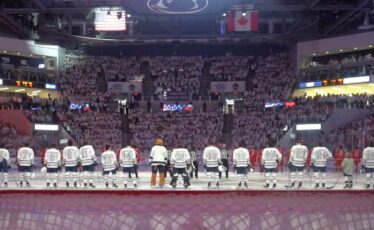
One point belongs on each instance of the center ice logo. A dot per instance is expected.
(177, 6)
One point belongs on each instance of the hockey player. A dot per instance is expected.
(241, 164)
(224, 159)
(109, 163)
(348, 167)
(25, 162)
(368, 164)
(179, 159)
(356, 155)
(211, 160)
(128, 161)
(4, 164)
(139, 158)
(52, 161)
(297, 161)
(195, 164)
(280, 163)
(269, 160)
(253, 156)
(339, 156)
(319, 158)
(70, 159)
(157, 159)
(88, 162)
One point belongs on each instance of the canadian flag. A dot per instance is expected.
(243, 21)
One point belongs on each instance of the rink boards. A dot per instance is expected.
(194, 208)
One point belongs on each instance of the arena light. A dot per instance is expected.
(303, 127)
(46, 127)
(114, 21)
(353, 80)
(1, 89)
(1, 81)
(19, 90)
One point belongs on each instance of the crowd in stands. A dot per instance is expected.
(190, 129)
(179, 73)
(10, 139)
(353, 135)
(95, 127)
(343, 59)
(271, 79)
(120, 69)
(230, 67)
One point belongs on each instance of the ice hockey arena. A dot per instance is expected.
(187, 114)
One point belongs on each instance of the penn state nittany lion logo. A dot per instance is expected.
(177, 6)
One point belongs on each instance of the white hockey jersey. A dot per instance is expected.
(127, 157)
(211, 156)
(180, 157)
(320, 155)
(270, 157)
(158, 156)
(298, 155)
(25, 156)
(108, 161)
(87, 155)
(368, 157)
(52, 158)
(4, 155)
(240, 157)
(70, 156)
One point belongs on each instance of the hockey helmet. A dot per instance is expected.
(221, 168)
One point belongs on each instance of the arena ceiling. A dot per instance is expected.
(71, 22)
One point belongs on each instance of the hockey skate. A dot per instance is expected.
(346, 185)
(107, 185)
(266, 185)
(323, 185)
(75, 185)
(67, 185)
(245, 184)
(91, 185)
(367, 186)
(48, 184)
(316, 186)
(217, 184)
(239, 185)
(114, 185)
(351, 184)
(54, 185)
(209, 184)
(300, 185)
(274, 186)
(5, 184)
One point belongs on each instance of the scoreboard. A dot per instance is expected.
(27, 84)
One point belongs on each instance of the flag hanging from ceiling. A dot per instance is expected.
(243, 21)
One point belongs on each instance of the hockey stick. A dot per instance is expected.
(336, 182)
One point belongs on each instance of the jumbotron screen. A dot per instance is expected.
(110, 20)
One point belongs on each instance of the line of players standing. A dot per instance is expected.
(73, 160)
(183, 163)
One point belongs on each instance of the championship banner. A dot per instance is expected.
(125, 87)
(227, 86)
